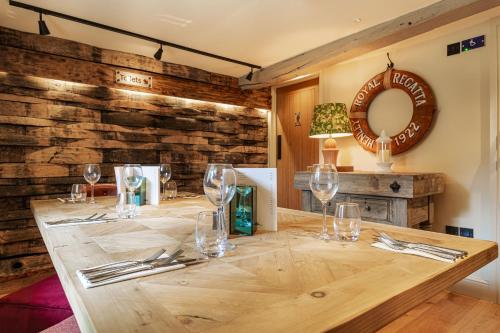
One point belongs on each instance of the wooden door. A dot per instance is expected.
(295, 105)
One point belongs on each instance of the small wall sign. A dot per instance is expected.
(134, 79)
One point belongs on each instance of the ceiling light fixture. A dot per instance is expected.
(45, 30)
(42, 27)
(159, 53)
(250, 74)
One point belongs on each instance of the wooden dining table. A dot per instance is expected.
(285, 281)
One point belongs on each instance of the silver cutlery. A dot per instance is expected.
(75, 218)
(120, 265)
(457, 253)
(92, 218)
(402, 248)
(155, 264)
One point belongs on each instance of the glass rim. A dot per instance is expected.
(225, 164)
(206, 212)
(132, 164)
(324, 166)
(352, 204)
(91, 164)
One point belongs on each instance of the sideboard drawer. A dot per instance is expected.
(373, 209)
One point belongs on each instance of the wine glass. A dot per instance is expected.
(165, 174)
(324, 183)
(132, 178)
(92, 174)
(219, 185)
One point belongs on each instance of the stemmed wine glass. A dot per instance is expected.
(132, 178)
(324, 183)
(165, 174)
(92, 174)
(219, 185)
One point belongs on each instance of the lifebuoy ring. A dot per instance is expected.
(423, 109)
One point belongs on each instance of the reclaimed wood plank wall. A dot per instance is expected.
(60, 108)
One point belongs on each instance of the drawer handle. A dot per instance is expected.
(368, 208)
(395, 187)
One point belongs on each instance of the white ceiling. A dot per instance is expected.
(262, 32)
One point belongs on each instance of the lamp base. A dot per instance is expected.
(330, 151)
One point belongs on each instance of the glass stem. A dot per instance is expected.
(163, 195)
(222, 223)
(325, 229)
(92, 193)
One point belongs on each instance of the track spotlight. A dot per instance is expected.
(159, 53)
(250, 75)
(42, 27)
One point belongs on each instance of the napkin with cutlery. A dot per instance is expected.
(414, 252)
(93, 219)
(129, 269)
(127, 275)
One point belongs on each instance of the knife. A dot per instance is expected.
(155, 264)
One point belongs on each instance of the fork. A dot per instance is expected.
(456, 253)
(122, 264)
(429, 252)
(77, 220)
(147, 266)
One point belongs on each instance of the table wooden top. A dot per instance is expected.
(281, 281)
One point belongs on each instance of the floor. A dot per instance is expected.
(448, 312)
(445, 312)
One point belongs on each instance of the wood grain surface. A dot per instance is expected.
(61, 108)
(283, 281)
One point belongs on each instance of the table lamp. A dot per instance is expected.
(330, 120)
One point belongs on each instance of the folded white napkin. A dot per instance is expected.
(87, 284)
(53, 224)
(415, 252)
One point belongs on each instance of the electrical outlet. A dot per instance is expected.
(451, 230)
(467, 232)
(453, 49)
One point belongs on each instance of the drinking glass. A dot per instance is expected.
(92, 174)
(132, 178)
(219, 185)
(208, 234)
(171, 190)
(347, 221)
(124, 209)
(324, 183)
(165, 174)
(78, 192)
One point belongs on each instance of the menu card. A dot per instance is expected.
(151, 176)
(267, 194)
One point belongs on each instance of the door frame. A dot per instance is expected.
(273, 115)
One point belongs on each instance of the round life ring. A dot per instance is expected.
(422, 99)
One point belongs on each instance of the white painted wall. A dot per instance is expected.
(461, 142)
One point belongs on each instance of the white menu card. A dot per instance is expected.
(151, 175)
(267, 194)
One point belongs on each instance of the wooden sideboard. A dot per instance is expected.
(401, 199)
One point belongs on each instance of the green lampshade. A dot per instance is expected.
(330, 120)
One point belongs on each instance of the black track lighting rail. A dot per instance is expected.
(127, 33)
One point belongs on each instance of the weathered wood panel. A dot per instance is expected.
(60, 108)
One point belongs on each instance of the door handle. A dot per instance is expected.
(278, 147)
